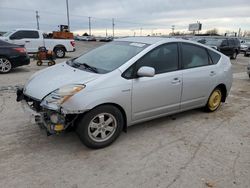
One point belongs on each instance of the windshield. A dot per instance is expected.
(7, 34)
(216, 42)
(109, 57)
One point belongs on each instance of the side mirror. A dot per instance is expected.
(146, 72)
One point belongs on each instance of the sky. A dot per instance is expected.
(131, 17)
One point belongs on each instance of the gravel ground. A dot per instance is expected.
(191, 149)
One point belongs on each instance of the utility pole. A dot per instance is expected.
(113, 27)
(239, 33)
(67, 5)
(106, 33)
(140, 31)
(37, 20)
(173, 27)
(89, 26)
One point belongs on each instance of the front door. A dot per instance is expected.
(161, 94)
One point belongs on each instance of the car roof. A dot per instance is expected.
(149, 40)
(26, 29)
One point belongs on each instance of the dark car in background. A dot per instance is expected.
(11, 56)
(227, 46)
(246, 49)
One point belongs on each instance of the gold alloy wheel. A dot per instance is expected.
(214, 100)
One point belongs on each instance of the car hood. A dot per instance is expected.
(3, 38)
(45, 81)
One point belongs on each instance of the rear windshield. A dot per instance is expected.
(213, 42)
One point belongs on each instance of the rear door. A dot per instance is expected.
(199, 76)
(225, 48)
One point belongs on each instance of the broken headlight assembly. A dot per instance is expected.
(55, 99)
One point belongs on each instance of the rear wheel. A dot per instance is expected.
(39, 63)
(214, 100)
(60, 52)
(50, 63)
(5, 65)
(234, 56)
(100, 127)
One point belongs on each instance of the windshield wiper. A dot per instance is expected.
(90, 67)
(85, 65)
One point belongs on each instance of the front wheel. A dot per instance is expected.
(100, 127)
(214, 100)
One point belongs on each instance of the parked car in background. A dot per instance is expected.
(32, 39)
(125, 82)
(227, 46)
(86, 38)
(248, 69)
(11, 56)
(245, 48)
(105, 39)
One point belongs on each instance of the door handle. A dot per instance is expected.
(27, 41)
(176, 80)
(212, 73)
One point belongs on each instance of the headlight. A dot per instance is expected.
(59, 96)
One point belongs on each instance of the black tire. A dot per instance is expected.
(39, 63)
(234, 55)
(59, 52)
(50, 63)
(246, 55)
(208, 107)
(83, 128)
(5, 65)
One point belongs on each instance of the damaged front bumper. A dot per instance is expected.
(54, 122)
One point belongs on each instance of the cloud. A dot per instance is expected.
(129, 15)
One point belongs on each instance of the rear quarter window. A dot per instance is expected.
(215, 57)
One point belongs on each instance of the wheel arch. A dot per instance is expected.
(115, 105)
(223, 89)
(4, 56)
(60, 46)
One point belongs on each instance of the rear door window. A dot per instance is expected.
(30, 34)
(215, 57)
(194, 56)
(231, 42)
(224, 43)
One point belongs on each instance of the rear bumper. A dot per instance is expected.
(18, 61)
(74, 49)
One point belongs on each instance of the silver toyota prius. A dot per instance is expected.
(125, 82)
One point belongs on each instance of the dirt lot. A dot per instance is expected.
(191, 149)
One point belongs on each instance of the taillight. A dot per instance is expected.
(21, 50)
(72, 43)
